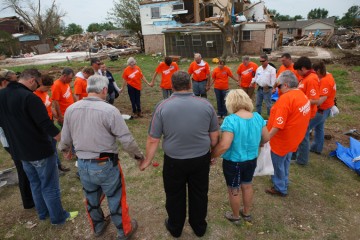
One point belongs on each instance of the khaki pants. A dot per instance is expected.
(249, 91)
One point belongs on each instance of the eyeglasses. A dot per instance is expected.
(37, 83)
(262, 61)
(279, 86)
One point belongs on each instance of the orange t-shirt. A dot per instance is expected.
(133, 77)
(221, 78)
(199, 73)
(166, 73)
(80, 85)
(327, 88)
(246, 73)
(310, 86)
(291, 114)
(282, 68)
(44, 96)
(61, 92)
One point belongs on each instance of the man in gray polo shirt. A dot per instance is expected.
(189, 128)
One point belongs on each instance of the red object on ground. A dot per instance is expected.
(155, 164)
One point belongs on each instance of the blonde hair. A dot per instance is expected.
(238, 99)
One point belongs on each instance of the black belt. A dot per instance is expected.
(321, 111)
(106, 157)
(263, 87)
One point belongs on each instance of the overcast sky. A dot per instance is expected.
(86, 12)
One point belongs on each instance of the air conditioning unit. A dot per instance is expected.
(209, 43)
(178, 7)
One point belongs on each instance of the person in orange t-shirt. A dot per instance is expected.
(287, 125)
(309, 84)
(61, 94)
(42, 92)
(200, 73)
(166, 69)
(80, 83)
(287, 64)
(133, 78)
(246, 71)
(220, 77)
(326, 102)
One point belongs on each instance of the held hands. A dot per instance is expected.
(68, 155)
(213, 161)
(143, 164)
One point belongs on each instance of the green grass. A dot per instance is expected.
(322, 202)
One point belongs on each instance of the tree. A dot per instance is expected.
(72, 29)
(127, 14)
(278, 17)
(98, 27)
(318, 13)
(43, 21)
(351, 17)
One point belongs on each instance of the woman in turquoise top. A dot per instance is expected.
(242, 134)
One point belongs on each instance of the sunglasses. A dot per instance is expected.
(262, 61)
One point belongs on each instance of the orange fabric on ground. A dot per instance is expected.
(327, 88)
(133, 77)
(80, 85)
(221, 77)
(166, 73)
(199, 73)
(291, 114)
(61, 92)
(44, 96)
(310, 86)
(282, 68)
(246, 73)
(126, 221)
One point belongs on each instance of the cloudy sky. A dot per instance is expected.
(86, 12)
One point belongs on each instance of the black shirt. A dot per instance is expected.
(26, 124)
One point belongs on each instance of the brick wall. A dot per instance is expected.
(154, 44)
(255, 45)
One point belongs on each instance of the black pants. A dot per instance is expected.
(134, 96)
(194, 173)
(24, 185)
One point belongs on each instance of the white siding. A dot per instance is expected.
(324, 28)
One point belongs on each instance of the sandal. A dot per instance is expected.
(229, 216)
(246, 218)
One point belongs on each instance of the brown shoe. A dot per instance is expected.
(273, 191)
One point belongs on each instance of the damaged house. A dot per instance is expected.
(183, 27)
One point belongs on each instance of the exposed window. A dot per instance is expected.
(289, 30)
(196, 40)
(180, 41)
(246, 36)
(178, 6)
(155, 12)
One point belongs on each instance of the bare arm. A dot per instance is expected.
(144, 79)
(214, 138)
(123, 85)
(265, 136)
(76, 97)
(56, 105)
(153, 79)
(273, 131)
(314, 102)
(321, 100)
(223, 145)
(151, 147)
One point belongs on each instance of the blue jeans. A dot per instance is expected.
(45, 188)
(53, 142)
(199, 88)
(134, 96)
(319, 123)
(166, 93)
(281, 165)
(99, 178)
(220, 100)
(302, 154)
(263, 96)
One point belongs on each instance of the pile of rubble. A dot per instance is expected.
(343, 39)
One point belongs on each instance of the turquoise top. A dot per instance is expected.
(247, 137)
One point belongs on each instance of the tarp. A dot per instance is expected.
(350, 156)
(275, 96)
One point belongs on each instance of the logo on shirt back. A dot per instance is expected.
(313, 92)
(47, 101)
(168, 71)
(67, 94)
(247, 71)
(325, 91)
(198, 71)
(301, 85)
(280, 120)
(133, 74)
(305, 109)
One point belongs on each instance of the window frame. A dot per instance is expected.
(243, 35)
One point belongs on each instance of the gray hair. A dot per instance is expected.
(180, 81)
(245, 58)
(197, 55)
(131, 60)
(96, 83)
(289, 78)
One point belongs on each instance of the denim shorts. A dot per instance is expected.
(237, 173)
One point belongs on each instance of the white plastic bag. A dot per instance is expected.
(334, 111)
(3, 140)
(264, 164)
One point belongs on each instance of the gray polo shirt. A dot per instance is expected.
(185, 122)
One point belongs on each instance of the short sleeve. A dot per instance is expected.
(228, 124)
(158, 69)
(55, 93)
(281, 115)
(77, 87)
(156, 125)
(214, 124)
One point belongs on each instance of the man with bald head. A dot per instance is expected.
(200, 73)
